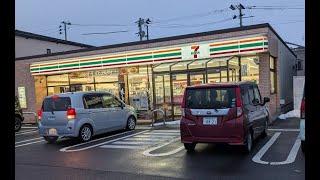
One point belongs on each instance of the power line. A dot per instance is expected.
(112, 32)
(108, 25)
(193, 25)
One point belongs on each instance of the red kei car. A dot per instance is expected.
(231, 113)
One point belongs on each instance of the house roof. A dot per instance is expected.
(193, 35)
(50, 39)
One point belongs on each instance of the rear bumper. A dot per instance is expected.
(187, 130)
(68, 130)
(302, 130)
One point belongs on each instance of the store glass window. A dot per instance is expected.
(57, 80)
(138, 87)
(250, 69)
(162, 67)
(216, 63)
(180, 66)
(58, 90)
(272, 75)
(198, 64)
(112, 88)
(80, 78)
(106, 75)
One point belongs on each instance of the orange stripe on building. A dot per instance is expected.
(170, 50)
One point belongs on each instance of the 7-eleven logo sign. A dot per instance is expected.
(195, 51)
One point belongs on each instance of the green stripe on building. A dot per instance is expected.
(237, 46)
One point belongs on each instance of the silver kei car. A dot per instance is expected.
(83, 115)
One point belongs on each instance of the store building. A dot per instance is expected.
(153, 74)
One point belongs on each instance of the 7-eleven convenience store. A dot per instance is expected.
(153, 74)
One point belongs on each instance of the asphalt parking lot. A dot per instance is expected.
(156, 153)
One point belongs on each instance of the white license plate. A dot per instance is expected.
(52, 132)
(210, 121)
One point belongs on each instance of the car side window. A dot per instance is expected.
(245, 95)
(110, 101)
(93, 101)
(251, 94)
(257, 94)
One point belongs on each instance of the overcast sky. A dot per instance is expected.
(169, 18)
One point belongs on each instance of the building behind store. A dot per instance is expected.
(153, 74)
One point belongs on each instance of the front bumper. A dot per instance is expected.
(302, 130)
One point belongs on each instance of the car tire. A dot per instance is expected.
(17, 124)
(264, 132)
(131, 123)
(50, 139)
(303, 146)
(247, 147)
(189, 146)
(85, 133)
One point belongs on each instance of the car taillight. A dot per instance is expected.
(186, 113)
(302, 109)
(71, 113)
(40, 114)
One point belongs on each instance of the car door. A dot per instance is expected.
(261, 116)
(252, 111)
(113, 111)
(96, 111)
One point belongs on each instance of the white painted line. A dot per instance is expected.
(29, 127)
(147, 152)
(133, 143)
(285, 130)
(159, 130)
(65, 149)
(122, 147)
(143, 139)
(143, 127)
(28, 132)
(160, 133)
(27, 140)
(264, 149)
(155, 136)
(28, 143)
(292, 155)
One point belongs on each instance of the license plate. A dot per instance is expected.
(52, 132)
(210, 121)
(51, 118)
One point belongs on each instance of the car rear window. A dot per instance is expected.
(56, 104)
(210, 98)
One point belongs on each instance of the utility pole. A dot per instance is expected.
(65, 28)
(239, 7)
(141, 33)
(148, 21)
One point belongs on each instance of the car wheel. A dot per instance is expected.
(17, 124)
(264, 132)
(248, 145)
(189, 146)
(85, 133)
(131, 123)
(50, 139)
(303, 146)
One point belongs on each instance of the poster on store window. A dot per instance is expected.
(22, 97)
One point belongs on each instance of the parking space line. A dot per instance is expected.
(143, 139)
(153, 136)
(121, 147)
(162, 133)
(290, 158)
(29, 143)
(65, 149)
(147, 152)
(292, 155)
(29, 127)
(133, 143)
(27, 132)
(285, 130)
(28, 140)
(264, 149)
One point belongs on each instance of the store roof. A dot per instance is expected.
(50, 39)
(193, 35)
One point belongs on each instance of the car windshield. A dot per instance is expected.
(56, 104)
(210, 98)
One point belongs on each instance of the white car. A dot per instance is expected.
(302, 126)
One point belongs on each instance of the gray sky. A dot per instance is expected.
(170, 17)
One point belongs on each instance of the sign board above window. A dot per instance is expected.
(201, 50)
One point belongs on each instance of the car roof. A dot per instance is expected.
(223, 84)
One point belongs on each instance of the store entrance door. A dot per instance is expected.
(196, 78)
(162, 92)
